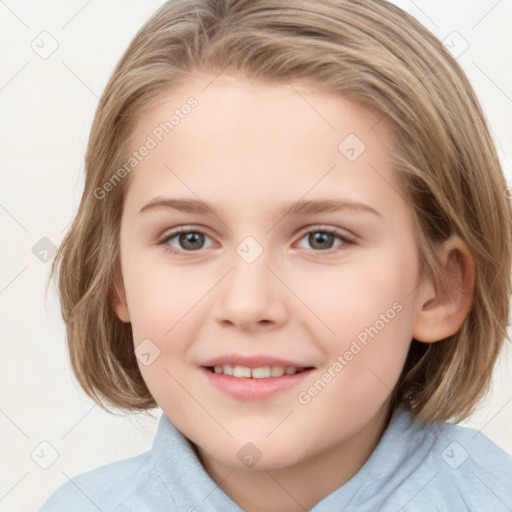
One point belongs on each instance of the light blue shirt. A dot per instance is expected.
(441, 468)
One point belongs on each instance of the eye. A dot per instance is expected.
(322, 239)
(187, 240)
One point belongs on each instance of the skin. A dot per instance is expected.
(246, 148)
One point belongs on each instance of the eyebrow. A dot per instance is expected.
(300, 207)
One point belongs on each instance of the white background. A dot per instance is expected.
(46, 109)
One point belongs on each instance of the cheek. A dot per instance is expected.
(158, 297)
(165, 307)
(368, 309)
(352, 296)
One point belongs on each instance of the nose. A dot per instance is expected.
(252, 296)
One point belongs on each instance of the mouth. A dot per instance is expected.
(260, 372)
(256, 382)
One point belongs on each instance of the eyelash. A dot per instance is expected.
(187, 229)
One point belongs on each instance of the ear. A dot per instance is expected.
(118, 297)
(444, 304)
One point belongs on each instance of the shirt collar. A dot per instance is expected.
(182, 473)
(192, 488)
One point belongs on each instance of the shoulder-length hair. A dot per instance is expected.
(368, 51)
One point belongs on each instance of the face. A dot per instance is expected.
(295, 267)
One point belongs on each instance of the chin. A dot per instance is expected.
(262, 455)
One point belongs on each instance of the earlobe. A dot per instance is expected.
(118, 298)
(445, 303)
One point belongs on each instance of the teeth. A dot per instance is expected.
(241, 371)
(262, 372)
(276, 371)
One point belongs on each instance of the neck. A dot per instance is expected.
(301, 486)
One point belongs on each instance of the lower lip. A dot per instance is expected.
(248, 388)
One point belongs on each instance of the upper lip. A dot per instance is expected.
(253, 361)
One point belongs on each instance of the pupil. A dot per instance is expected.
(320, 238)
(191, 240)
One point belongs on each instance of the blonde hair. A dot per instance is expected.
(369, 51)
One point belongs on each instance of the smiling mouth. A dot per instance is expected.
(262, 372)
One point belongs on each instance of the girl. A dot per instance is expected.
(295, 239)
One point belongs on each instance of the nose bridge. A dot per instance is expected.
(250, 278)
(251, 293)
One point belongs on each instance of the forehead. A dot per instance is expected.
(231, 101)
(260, 142)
